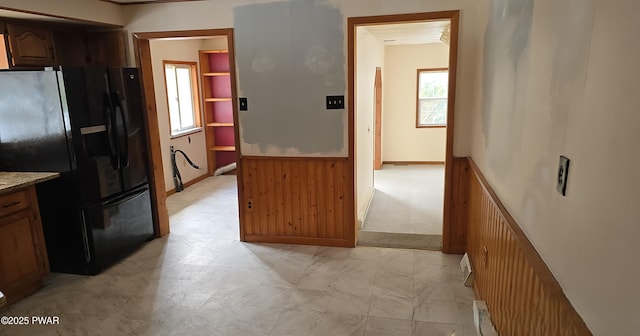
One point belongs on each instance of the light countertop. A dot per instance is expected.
(10, 181)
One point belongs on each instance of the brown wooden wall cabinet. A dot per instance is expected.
(30, 46)
(38, 44)
(23, 254)
(106, 48)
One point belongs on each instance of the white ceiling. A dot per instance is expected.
(128, 1)
(409, 33)
(26, 16)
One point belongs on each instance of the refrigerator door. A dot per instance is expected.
(115, 228)
(126, 94)
(33, 136)
(93, 123)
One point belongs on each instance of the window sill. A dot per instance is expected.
(431, 126)
(186, 132)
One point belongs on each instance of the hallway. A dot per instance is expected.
(407, 206)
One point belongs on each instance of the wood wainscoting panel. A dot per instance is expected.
(521, 293)
(297, 201)
(455, 234)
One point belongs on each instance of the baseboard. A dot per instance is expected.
(414, 162)
(362, 215)
(523, 296)
(188, 184)
(298, 240)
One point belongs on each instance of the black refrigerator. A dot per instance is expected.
(87, 124)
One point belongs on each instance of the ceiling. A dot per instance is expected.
(409, 33)
(27, 16)
(124, 2)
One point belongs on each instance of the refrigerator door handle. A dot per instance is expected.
(85, 238)
(124, 155)
(109, 121)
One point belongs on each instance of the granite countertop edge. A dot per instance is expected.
(14, 181)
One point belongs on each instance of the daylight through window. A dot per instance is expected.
(182, 99)
(433, 87)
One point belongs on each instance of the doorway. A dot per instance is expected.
(414, 170)
(206, 42)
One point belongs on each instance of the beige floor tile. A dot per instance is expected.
(439, 329)
(202, 278)
(335, 324)
(379, 326)
(296, 322)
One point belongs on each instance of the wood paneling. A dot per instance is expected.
(297, 200)
(456, 231)
(522, 295)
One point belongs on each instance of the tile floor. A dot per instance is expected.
(408, 199)
(200, 280)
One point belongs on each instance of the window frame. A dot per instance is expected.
(195, 94)
(419, 71)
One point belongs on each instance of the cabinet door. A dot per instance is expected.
(30, 46)
(19, 258)
(106, 49)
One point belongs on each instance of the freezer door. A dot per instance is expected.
(124, 84)
(93, 123)
(116, 228)
(32, 125)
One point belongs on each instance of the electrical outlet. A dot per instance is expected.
(335, 102)
(563, 174)
(250, 205)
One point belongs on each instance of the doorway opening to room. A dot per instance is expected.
(190, 89)
(403, 86)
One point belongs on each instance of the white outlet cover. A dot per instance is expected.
(467, 271)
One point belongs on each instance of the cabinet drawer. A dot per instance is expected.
(13, 202)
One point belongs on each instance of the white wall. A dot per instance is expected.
(193, 145)
(401, 140)
(221, 14)
(561, 78)
(95, 11)
(370, 54)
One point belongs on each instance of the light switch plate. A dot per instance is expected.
(563, 174)
(335, 102)
(244, 104)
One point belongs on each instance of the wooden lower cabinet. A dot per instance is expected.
(23, 254)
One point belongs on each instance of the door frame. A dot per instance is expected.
(142, 51)
(352, 24)
(377, 141)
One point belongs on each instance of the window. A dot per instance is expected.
(182, 96)
(433, 87)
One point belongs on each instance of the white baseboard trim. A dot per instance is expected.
(362, 214)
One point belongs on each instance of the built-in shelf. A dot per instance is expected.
(219, 124)
(214, 51)
(223, 148)
(213, 74)
(212, 100)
